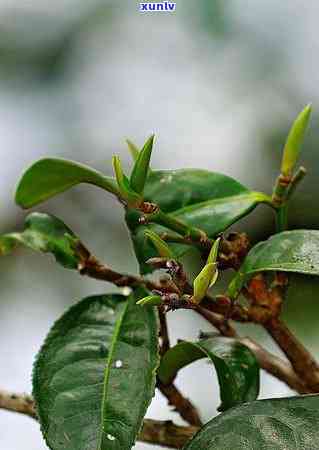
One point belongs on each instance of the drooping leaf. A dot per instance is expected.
(236, 367)
(141, 166)
(289, 251)
(277, 424)
(51, 176)
(95, 374)
(45, 233)
(294, 141)
(202, 199)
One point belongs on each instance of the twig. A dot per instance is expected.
(181, 404)
(166, 433)
(20, 403)
(276, 366)
(163, 332)
(272, 364)
(302, 361)
(158, 432)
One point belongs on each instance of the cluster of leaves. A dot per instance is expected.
(95, 375)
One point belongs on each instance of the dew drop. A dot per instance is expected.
(118, 364)
(110, 437)
(126, 291)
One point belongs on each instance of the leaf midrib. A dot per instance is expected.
(107, 372)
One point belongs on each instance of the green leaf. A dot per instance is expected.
(202, 199)
(141, 167)
(212, 257)
(95, 374)
(294, 140)
(134, 150)
(204, 280)
(132, 198)
(48, 177)
(236, 367)
(150, 300)
(45, 233)
(161, 246)
(277, 424)
(289, 251)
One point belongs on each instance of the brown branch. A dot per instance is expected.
(276, 366)
(181, 404)
(20, 403)
(301, 360)
(158, 432)
(272, 364)
(266, 304)
(306, 368)
(166, 433)
(165, 345)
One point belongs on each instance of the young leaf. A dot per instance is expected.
(208, 275)
(51, 176)
(141, 167)
(202, 199)
(95, 374)
(203, 281)
(277, 424)
(294, 141)
(126, 192)
(236, 367)
(289, 251)
(150, 300)
(212, 257)
(133, 149)
(161, 246)
(45, 233)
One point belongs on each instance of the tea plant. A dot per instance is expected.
(97, 370)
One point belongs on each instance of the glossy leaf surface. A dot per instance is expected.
(285, 423)
(236, 367)
(289, 251)
(51, 176)
(141, 166)
(206, 200)
(45, 233)
(95, 374)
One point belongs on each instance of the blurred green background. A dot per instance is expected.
(219, 82)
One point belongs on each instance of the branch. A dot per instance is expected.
(181, 404)
(272, 364)
(276, 366)
(166, 433)
(175, 398)
(20, 403)
(158, 432)
(302, 361)
(266, 304)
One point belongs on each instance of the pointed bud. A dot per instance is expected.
(212, 257)
(133, 149)
(294, 140)
(127, 193)
(141, 167)
(204, 280)
(150, 300)
(161, 246)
